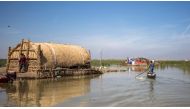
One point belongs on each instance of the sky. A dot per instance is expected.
(154, 30)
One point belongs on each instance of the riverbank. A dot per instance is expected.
(107, 62)
(174, 62)
(2, 70)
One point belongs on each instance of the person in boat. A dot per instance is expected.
(151, 67)
(22, 62)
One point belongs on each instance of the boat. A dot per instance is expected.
(151, 75)
(4, 79)
(136, 62)
(8, 77)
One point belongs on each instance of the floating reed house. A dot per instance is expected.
(47, 57)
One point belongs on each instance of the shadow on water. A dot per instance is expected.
(45, 92)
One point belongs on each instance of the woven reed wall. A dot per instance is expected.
(62, 55)
(51, 55)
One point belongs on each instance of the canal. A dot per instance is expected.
(170, 88)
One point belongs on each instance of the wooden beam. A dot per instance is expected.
(26, 50)
(21, 47)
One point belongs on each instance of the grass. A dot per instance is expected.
(3, 62)
(106, 62)
(183, 65)
(174, 63)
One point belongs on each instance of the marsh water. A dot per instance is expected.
(170, 88)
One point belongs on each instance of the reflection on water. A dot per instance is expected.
(184, 66)
(151, 93)
(45, 92)
(170, 88)
(137, 68)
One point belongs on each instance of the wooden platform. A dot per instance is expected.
(27, 75)
(58, 72)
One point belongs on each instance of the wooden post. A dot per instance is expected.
(27, 55)
(28, 48)
(89, 63)
(89, 54)
(52, 73)
(39, 66)
(39, 57)
(8, 59)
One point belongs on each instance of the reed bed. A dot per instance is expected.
(105, 62)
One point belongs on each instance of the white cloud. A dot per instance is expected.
(150, 43)
(139, 43)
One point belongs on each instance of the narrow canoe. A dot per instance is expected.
(153, 76)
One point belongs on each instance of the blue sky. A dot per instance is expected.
(155, 30)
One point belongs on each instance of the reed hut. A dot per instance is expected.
(47, 56)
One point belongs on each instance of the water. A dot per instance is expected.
(170, 88)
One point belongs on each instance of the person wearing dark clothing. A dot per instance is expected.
(22, 62)
(151, 66)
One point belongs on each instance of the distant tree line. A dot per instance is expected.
(3, 62)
